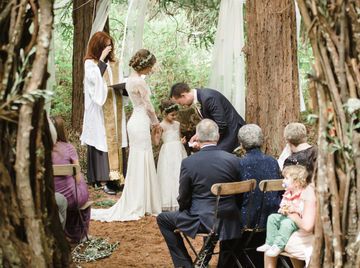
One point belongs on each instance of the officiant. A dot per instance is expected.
(104, 126)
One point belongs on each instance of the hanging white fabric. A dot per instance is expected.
(102, 13)
(228, 62)
(298, 25)
(133, 32)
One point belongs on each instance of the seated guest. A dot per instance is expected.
(298, 150)
(302, 153)
(255, 165)
(279, 227)
(300, 242)
(74, 190)
(196, 202)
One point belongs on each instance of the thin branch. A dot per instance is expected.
(36, 27)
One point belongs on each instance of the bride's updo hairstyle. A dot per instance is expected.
(142, 59)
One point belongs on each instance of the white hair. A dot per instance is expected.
(207, 130)
(250, 136)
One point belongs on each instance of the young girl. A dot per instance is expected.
(171, 154)
(280, 225)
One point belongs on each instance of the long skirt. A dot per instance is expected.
(98, 165)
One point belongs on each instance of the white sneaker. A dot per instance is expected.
(263, 248)
(274, 251)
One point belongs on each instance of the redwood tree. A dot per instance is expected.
(334, 33)
(272, 97)
(83, 16)
(30, 230)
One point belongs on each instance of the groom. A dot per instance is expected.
(211, 104)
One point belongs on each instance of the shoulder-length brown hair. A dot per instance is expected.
(97, 44)
(59, 124)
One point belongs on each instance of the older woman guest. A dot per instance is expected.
(74, 190)
(298, 150)
(256, 165)
(302, 153)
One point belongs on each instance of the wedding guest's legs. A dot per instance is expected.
(272, 227)
(297, 263)
(229, 250)
(270, 262)
(62, 207)
(287, 227)
(167, 224)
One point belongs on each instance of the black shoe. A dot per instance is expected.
(109, 191)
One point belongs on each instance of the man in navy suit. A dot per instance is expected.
(196, 202)
(211, 104)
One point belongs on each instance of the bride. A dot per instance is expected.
(141, 194)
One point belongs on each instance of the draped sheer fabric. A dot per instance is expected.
(228, 62)
(102, 13)
(298, 25)
(133, 33)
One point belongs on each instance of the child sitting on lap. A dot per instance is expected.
(279, 226)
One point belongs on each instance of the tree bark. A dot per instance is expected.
(334, 33)
(30, 231)
(83, 11)
(272, 99)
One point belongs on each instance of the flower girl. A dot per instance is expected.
(171, 154)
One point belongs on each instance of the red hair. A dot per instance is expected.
(97, 44)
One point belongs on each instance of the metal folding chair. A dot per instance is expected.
(73, 170)
(219, 190)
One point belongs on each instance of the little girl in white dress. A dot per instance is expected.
(172, 152)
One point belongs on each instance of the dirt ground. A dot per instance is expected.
(141, 243)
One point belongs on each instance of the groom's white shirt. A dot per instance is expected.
(195, 101)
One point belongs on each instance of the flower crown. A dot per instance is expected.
(145, 60)
(171, 108)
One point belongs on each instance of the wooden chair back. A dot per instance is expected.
(231, 188)
(66, 170)
(271, 185)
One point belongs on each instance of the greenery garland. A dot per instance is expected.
(93, 249)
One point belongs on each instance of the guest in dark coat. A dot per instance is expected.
(196, 203)
(255, 165)
(74, 190)
(211, 104)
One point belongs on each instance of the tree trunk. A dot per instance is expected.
(272, 99)
(334, 33)
(30, 230)
(83, 12)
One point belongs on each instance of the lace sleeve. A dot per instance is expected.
(143, 93)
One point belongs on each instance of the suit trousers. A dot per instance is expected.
(179, 254)
(279, 229)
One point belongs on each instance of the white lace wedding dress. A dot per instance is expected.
(141, 194)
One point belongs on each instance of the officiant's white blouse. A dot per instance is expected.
(95, 92)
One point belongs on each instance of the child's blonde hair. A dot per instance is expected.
(297, 173)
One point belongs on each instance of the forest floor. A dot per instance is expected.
(140, 242)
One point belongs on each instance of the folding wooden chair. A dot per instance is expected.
(276, 186)
(73, 170)
(219, 190)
